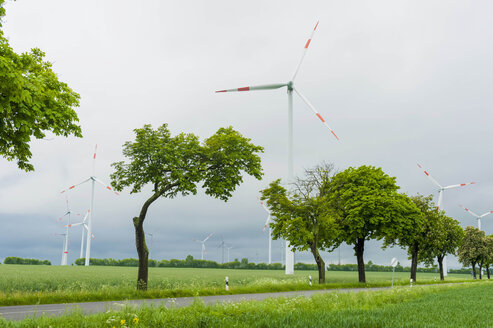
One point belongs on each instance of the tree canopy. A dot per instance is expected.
(368, 206)
(302, 216)
(175, 165)
(32, 102)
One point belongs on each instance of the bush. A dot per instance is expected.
(18, 260)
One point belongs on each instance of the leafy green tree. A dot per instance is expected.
(413, 236)
(368, 206)
(471, 248)
(443, 237)
(32, 102)
(488, 261)
(302, 216)
(176, 165)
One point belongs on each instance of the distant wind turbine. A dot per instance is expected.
(270, 231)
(93, 180)
(203, 244)
(65, 247)
(478, 217)
(84, 229)
(290, 88)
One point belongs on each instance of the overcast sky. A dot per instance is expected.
(400, 82)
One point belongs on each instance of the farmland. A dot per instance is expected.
(24, 284)
(421, 306)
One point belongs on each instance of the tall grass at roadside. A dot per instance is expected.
(44, 284)
(465, 305)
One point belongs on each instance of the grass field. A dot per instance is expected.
(461, 305)
(23, 284)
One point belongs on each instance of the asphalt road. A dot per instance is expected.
(19, 312)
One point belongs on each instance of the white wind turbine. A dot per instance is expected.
(290, 88)
(228, 248)
(93, 180)
(270, 231)
(203, 244)
(441, 189)
(478, 217)
(84, 229)
(65, 245)
(439, 203)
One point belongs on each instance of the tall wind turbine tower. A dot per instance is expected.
(290, 88)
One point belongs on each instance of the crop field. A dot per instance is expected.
(25, 284)
(452, 305)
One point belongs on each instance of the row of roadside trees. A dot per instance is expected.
(476, 249)
(325, 208)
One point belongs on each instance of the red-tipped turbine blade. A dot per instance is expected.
(469, 211)
(75, 185)
(429, 176)
(316, 112)
(458, 185)
(256, 87)
(106, 186)
(307, 44)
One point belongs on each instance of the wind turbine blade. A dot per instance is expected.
(307, 44)
(429, 176)
(73, 225)
(458, 185)
(315, 111)
(85, 216)
(208, 237)
(440, 196)
(266, 223)
(487, 213)
(105, 185)
(75, 185)
(256, 87)
(265, 207)
(94, 160)
(471, 212)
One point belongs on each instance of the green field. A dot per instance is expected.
(461, 305)
(25, 284)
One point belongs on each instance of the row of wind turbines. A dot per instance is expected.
(86, 223)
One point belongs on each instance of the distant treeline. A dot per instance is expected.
(190, 262)
(18, 260)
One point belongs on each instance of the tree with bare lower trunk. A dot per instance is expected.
(176, 165)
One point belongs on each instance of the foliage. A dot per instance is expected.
(18, 260)
(437, 306)
(32, 102)
(379, 268)
(369, 207)
(302, 216)
(472, 247)
(177, 165)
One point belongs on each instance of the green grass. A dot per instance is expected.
(464, 305)
(23, 284)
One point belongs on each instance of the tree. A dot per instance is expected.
(302, 216)
(32, 102)
(414, 236)
(176, 165)
(488, 261)
(368, 206)
(443, 238)
(471, 248)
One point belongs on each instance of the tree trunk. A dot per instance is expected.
(143, 254)
(474, 270)
(480, 271)
(359, 249)
(440, 265)
(140, 243)
(488, 271)
(320, 264)
(414, 261)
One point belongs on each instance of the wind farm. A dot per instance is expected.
(186, 151)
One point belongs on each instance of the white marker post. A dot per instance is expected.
(411, 282)
(227, 283)
(310, 280)
(393, 263)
